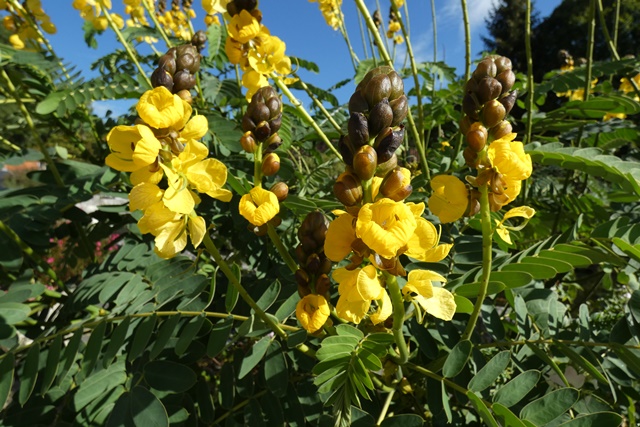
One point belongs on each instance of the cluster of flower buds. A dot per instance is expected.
(487, 101)
(312, 276)
(178, 67)
(377, 109)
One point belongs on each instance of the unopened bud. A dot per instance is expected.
(470, 157)
(160, 77)
(397, 85)
(348, 189)
(400, 109)
(365, 162)
(486, 68)
(493, 113)
(502, 64)
(502, 129)
(358, 129)
(248, 142)
(509, 101)
(185, 95)
(302, 278)
(270, 164)
(183, 80)
(168, 62)
(488, 89)
(477, 137)
(378, 88)
(380, 117)
(357, 103)
(346, 150)
(281, 190)
(383, 168)
(262, 131)
(397, 184)
(507, 79)
(323, 284)
(387, 143)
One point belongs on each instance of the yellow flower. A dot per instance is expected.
(243, 27)
(385, 308)
(259, 206)
(331, 11)
(161, 109)
(16, 41)
(266, 55)
(423, 244)
(234, 51)
(132, 148)
(214, 6)
(523, 212)
(312, 312)
(357, 288)
(386, 226)
(449, 198)
(611, 116)
(626, 86)
(438, 302)
(508, 158)
(253, 81)
(393, 27)
(340, 234)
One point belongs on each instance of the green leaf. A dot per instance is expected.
(471, 290)
(51, 102)
(115, 343)
(98, 384)
(219, 336)
(597, 419)
(92, 350)
(629, 357)
(404, 420)
(269, 296)
(516, 389)
(13, 312)
(511, 279)
(349, 331)
(482, 409)
(141, 337)
(254, 356)
(276, 373)
(231, 299)
(29, 374)
(634, 305)
(69, 354)
(545, 358)
(463, 305)
(188, 334)
(51, 365)
(165, 332)
(457, 359)
(549, 407)
(582, 362)
(633, 251)
(6, 377)
(146, 409)
(205, 401)
(511, 420)
(490, 372)
(168, 376)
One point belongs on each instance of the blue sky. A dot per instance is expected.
(300, 24)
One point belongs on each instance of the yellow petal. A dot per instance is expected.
(442, 305)
(146, 175)
(312, 312)
(259, 206)
(147, 148)
(156, 217)
(177, 196)
(367, 284)
(195, 128)
(423, 244)
(449, 198)
(385, 226)
(504, 234)
(171, 240)
(352, 311)
(340, 235)
(159, 108)
(522, 211)
(208, 176)
(144, 195)
(385, 309)
(197, 229)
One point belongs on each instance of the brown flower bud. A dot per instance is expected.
(323, 284)
(274, 104)
(470, 106)
(262, 131)
(281, 190)
(396, 184)
(486, 68)
(313, 263)
(488, 89)
(325, 267)
(346, 150)
(400, 109)
(465, 124)
(470, 157)
(474, 203)
(380, 117)
(493, 113)
(502, 64)
(397, 85)
(160, 77)
(183, 80)
(272, 143)
(502, 129)
(509, 101)
(185, 62)
(247, 123)
(387, 143)
(185, 95)
(357, 103)
(365, 162)
(248, 142)
(199, 39)
(384, 167)
(477, 136)
(302, 278)
(348, 189)
(270, 164)
(301, 255)
(309, 245)
(507, 79)
(168, 63)
(378, 88)
(258, 111)
(358, 129)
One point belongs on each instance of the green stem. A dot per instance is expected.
(553, 341)
(362, 36)
(213, 250)
(527, 42)
(282, 250)
(352, 54)
(159, 27)
(29, 252)
(616, 23)
(398, 318)
(385, 407)
(467, 40)
(124, 43)
(298, 106)
(435, 31)
(257, 166)
(590, 45)
(487, 240)
(315, 100)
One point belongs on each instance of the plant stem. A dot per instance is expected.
(352, 54)
(159, 27)
(213, 250)
(298, 106)
(487, 240)
(527, 42)
(282, 250)
(553, 341)
(124, 43)
(467, 40)
(385, 407)
(315, 100)
(398, 318)
(590, 45)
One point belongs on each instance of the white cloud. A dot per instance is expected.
(477, 10)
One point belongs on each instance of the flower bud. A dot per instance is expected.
(474, 203)
(380, 117)
(358, 129)
(384, 167)
(160, 77)
(199, 39)
(323, 284)
(501, 129)
(465, 124)
(387, 143)
(185, 62)
(400, 109)
(486, 68)
(470, 106)
(281, 190)
(502, 64)
(274, 104)
(477, 137)
(348, 189)
(357, 103)
(258, 111)
(168, 63)
(325, 267)
(272, 143)
(378, 88)
(396, 185)
(509, 101)
(365, 162)
(262, 131)
(270, 164)
(247, 123)
(397, 85)
(346, 150)
(301, 255)
(493, 113)
(302, 278)
(488, 89)
(313, 263)
(248, 143)
(183, 80)
(470, 157)
(507, 79)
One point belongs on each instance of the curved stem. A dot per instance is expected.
(213, 250)
(282, 250)
(124, 43)
(315, 100)
(298, 106)
(487, 240)
(398, 318)
(590, 45)
(527, 42)
(467, 40)
(385, 407)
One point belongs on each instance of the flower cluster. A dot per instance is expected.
(21, 20)
(212, 9)
(332, 12)
(176, 21)
(377, 226)
(501, 162)
(169, 169)
(394, 28)
(252, 47)
(94, 12)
